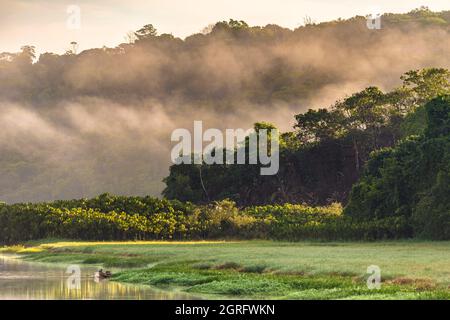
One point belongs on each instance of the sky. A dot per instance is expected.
(51, 25)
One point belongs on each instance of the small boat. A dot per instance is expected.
(103, 274)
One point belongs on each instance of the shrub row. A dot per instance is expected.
(139, 218)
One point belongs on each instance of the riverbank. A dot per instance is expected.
(24, 280)
(265, 269)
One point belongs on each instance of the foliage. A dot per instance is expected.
(325, 155)
(136, 218)
(411, 179)
(318, 125)
(233, 68)
(147, 31)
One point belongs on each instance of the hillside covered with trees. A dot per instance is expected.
(80, 124)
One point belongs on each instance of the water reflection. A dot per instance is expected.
(23, 280)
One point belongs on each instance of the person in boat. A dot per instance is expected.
(103, 275)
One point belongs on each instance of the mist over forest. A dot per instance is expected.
(80, 124)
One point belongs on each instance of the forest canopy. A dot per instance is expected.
(80, 124)
(327, 151)
(412, 179)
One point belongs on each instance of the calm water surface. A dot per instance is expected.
(24, 280)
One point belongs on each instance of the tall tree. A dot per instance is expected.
(147, 31)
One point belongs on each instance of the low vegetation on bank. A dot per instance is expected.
(144, 218)
(265, 269)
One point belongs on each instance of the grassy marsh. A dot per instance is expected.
(265, 269)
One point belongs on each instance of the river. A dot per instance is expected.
(21, 280)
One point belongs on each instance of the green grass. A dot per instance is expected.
(266, 269)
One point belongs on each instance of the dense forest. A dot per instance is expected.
(411, 180)
(80, 124)
(371, 165)
(326, 154)
(403, 193)
(232, 63)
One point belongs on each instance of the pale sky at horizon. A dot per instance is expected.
(42, 23)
